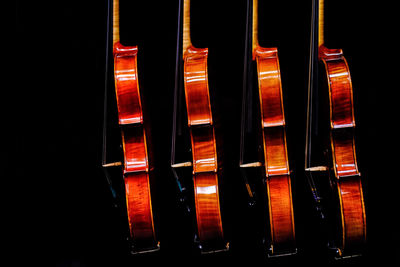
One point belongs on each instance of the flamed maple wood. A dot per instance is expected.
(134, 142)
(203, 141)
(352, 210)
(275, 152)
(278, 180)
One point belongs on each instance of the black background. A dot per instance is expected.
(61, 207)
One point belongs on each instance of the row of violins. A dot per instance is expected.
(330, 156)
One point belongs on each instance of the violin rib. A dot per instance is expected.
(352, 210)
(334, 147)
(136, 164)
(278, 181)
(203, 141)
(204, 151)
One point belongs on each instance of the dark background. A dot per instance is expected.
(60, 205)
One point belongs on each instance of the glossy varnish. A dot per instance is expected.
(352, 236)
(203, 142)
(134, 141)
(277, 172)
(352, 211)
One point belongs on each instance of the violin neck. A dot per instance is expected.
(116, 35)
(255, 26)
(186, 43)
(320, 9)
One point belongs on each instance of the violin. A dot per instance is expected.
(136, 162)
(276, 172)
(330, 144)
(192, 78)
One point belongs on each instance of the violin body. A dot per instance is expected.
(342, 124)
(278, 182)
(331, 163)
(204, 150)
(136, 167)
(269, 150)
(191, 78)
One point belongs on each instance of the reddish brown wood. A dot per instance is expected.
(125, 74)
(353, 217)
(353, 214)
(138, 202)
(136, 162)
(203, 146)
(281, 213)
(196, 84)
(204, 152)
(207, 206)
(275, 151)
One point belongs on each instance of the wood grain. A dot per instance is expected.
(126, 84)
(204, 154)
(281, 214)
(139, 210)
(203, 142)
(255, 29)
(349, 188)
(134, 143)
(321, 22)
(208, 215)
(116, 35)
(186, 27)
(278, 181)
(197, 94)
(353, 213)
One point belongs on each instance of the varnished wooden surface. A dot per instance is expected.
(353, 213)
(197, 97)
(140, 216)
(134, 147)
(134, 143)
(204, 153)
(255, 29)
(187, 42)
(203, 141)
(270, 87)
(203, 145)
(125, 69)
(281, 214)
(321, 22)
(84, 224)
(275, 152)
(116, 35)
(353, 217)
(208, 210)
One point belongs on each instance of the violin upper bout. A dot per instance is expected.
(340, 89)
(126, 84)
(196, 86)
(270, 88)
